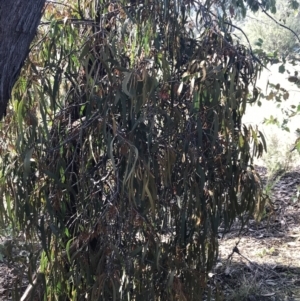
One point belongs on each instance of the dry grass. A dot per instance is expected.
(265, 269)
(279, 141)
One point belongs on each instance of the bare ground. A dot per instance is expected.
(264, 262)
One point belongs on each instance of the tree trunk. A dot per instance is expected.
(19, 20)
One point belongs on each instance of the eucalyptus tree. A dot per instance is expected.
(18, 23)
(124, 149)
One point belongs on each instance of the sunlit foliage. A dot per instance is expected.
(124, 150)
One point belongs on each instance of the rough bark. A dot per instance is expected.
(19, 20)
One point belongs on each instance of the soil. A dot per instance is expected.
(14, 262)
(262, 263)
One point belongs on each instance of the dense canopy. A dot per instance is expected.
(123, 149)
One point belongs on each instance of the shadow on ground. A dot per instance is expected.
(263, 263)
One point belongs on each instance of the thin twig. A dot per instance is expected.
(280, 24)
